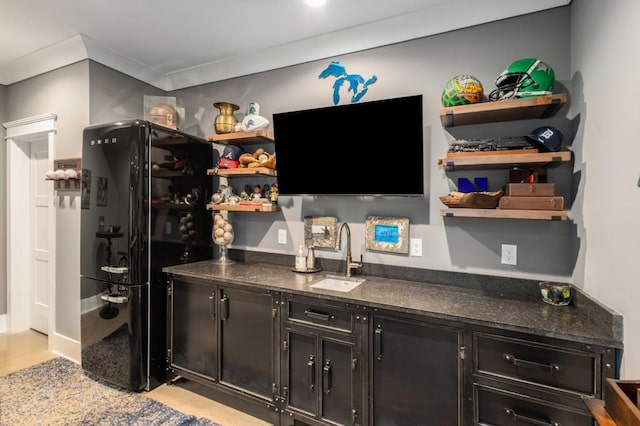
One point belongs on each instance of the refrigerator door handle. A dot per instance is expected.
(114, 299)
(115, 269)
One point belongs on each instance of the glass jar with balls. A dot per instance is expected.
(222, 236)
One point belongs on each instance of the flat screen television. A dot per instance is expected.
(364, 149)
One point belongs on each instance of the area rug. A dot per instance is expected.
(57, 392)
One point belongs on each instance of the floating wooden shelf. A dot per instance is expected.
(240, 172)
(265, 208)
(243, 138)
(68, 184)
(507, 110)
(505, 214)
(502, 161)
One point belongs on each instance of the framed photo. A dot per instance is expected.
(390, 234)
(320, 231)
(103, 192)
(85, 199)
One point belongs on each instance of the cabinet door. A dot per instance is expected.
(321, 378)
(417, 373)
(193, 327)
(302, 377)
(247, 341)
(337, 379)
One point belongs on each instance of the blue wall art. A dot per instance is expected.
(337, 70)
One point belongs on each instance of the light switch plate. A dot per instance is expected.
(282, 236)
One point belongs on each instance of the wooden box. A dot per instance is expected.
(530, 189)
(621, 401)
(531, 203)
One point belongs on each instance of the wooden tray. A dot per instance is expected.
(473, 200)
(621, 401)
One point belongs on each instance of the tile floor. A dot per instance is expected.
(21, 350)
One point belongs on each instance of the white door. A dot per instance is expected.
(39, 253)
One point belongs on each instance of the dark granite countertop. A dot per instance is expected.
(584, 320)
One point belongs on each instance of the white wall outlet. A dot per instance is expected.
(282, 236)
(415, 247)
(509, 254)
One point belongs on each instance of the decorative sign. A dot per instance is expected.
(337, 70)
(389, 234)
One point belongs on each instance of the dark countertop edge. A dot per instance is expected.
(610, 333)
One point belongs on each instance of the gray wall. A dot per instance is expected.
(545, 249)
(116, 96)
(603, 50)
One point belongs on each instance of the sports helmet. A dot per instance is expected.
(461, 90)
(524, 78)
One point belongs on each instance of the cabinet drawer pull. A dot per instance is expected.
(212, 298)
(319, 316)
(311, 364)
(224, 308)
(520, 418)
(327, 376)
(552, 368)
(378, 343)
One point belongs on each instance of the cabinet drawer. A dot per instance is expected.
(321, 315)
(533, 362)
(500, 408)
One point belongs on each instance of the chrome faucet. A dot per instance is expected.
(349, 264)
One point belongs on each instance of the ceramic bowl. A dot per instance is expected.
(557, 294)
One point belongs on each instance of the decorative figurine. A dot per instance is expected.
(273, 194)
(253, 121)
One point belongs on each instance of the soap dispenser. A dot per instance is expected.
(301, 260)
(311, 259)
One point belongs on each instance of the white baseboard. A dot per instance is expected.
(3, 323)
(65, 347)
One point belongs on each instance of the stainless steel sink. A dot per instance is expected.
(338, 283)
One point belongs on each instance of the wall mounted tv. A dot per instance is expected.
(364, 149)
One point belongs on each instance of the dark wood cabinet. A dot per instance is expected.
(519, 378)
(303, 359)
(192, 327)
(247, 335)
(322, 363)
(416, 372)
(225, 338)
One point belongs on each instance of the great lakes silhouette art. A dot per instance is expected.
(337, 70)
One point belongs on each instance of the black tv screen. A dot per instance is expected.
(364, 149)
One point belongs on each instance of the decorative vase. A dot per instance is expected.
(222, 235)
(225, 121)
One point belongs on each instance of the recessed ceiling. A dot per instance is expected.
(173, 44)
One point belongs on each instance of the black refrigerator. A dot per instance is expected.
(143, 197)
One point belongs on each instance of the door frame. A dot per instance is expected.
(19, 134)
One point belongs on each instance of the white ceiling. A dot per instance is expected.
(177, 44)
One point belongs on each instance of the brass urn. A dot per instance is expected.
(225, 122)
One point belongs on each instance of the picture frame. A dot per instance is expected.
(102, 196)
(320, 231)
(387, 234)
(85, 198)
